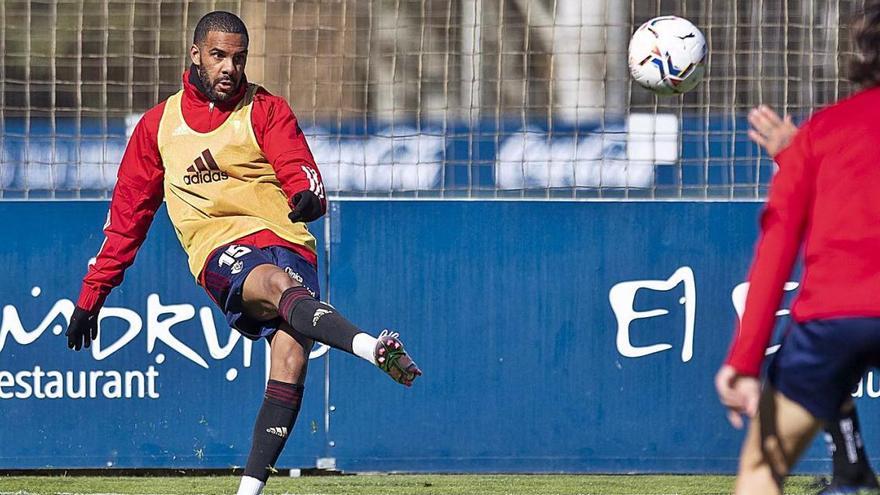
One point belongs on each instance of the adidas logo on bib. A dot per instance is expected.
(204, 170)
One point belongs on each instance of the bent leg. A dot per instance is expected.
(776, 438)
(269, 292)
(281, 404)
(262, 290)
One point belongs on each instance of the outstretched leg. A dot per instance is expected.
(269, 292)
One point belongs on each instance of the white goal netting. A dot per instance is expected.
(428, 98)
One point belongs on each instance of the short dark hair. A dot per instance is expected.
(221, 21)
(864, 68)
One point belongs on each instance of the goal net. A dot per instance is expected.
(429, 98)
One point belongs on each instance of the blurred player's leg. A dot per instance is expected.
(277, 416)
(269, 291)
(776, 438)
(852, 470)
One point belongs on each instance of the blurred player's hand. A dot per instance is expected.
(769, 131)
(307, 207)
(83, 328)
(739, 394)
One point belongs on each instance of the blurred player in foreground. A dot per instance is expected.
(824, 198)
(240, 182)
(852, 471)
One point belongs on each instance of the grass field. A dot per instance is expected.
(392, 485)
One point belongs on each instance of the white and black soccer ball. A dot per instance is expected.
(667, 55)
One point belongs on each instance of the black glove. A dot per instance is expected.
(307, 207)
(83, 328)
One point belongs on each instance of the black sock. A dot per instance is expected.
(844, 438)
(316, 320)
(274, 424)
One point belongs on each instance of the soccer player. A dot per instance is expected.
(825, 199)
(851, 469)
(240, 182)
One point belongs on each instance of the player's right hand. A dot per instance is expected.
(83, 328)
(740, 394)
(770, 131)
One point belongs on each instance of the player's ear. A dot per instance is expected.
(194, 55)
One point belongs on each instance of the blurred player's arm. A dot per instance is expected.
(285, 146)
(136, 197)
(782, 227)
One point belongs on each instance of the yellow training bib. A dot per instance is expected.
(218, 185)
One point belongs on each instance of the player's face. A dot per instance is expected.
(220, 60)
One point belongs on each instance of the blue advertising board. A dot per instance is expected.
(554, 336)
(646, 155)
(167, 384)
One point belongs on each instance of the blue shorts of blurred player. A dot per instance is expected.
(820, 362)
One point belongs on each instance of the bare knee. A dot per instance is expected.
(276, 283)
(758, 473)
(263, 289)
(759, 480)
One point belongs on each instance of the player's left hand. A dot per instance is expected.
(740, 394)
(83, 328)
(307, 207)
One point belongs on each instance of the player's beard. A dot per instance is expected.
(209, 85)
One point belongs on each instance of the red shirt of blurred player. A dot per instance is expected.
(826, 198)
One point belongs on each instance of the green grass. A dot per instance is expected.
(392, 485)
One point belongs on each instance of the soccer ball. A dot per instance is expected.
(666, 55)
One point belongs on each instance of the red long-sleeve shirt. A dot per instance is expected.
(139, 186)
(826, 198)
